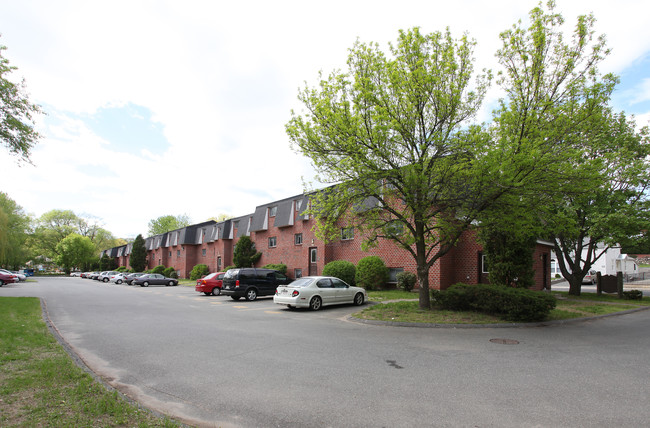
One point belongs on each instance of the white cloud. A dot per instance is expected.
(221, 79)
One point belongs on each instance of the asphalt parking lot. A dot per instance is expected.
(212, 361)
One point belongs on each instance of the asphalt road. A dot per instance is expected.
(211, 361)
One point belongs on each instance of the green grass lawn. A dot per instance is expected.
(408, 310)
(40, 385)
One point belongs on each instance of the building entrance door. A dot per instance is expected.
(313, 261)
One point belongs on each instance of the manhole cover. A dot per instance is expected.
(505, 341)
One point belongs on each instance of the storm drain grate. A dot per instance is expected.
(505, 341)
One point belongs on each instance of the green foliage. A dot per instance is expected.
(341, 269)
(371, 273)
(170, 272)
(17, 132)
(121, 269)
(199, 271)
(75, 251)
(245, 254)
(509, 254)
(511, 304)
(138, 258)
(633, 295)
(391, 128)
(406, 280)
(107, 263)
(282, 268)
(166, 223)
(159, 269)
(227, 268)
(14, 229)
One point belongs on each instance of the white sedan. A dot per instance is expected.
(314, 292)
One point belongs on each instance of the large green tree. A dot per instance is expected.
(138, 257)
(166, 223)
(75, 251)
(245, 254)
(15, 227)
(556, 114)
(17, 113)
(389, 132)
(392, 131)
(615, 207)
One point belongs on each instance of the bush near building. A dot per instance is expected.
(371, 273)
(341, 269)
(508, 303)
(280, 267)
(170, 272)
(199, 271)
(406, 280)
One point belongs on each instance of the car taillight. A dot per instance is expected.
(237, 284)
(295, 293)
(203, 281)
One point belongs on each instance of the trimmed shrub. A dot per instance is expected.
(341, 269)
(282, 268)
(121, 269)
(199, 271)
(170, 272)
(227, 268)
(633, 295)
(406, 280)
(510, 304)
(372, 273)
(159, 269)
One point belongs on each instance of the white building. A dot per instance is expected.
(609, 263)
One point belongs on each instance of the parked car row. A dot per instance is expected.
(139, 278)
(6, 278)
(311, 292)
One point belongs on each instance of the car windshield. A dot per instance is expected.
(300, 282)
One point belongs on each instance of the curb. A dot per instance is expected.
(500, 325)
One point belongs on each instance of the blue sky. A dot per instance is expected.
(179, 107)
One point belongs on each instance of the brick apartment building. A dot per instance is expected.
(283, 234)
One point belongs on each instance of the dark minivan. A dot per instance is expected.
(252, 282)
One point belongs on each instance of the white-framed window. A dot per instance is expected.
(347, 233)
(273, 211)
(204, 252)
(298, 204)
(178, 253)
(297, 273)
(273, 242)
(297, 239)
(313, 255)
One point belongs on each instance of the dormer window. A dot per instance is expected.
(273, 211)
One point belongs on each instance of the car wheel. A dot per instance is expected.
(251, 294)
(105, 279)
(315, 303)
(358, 299)
(173, 283)
(207, 293)
(235, 297)
(119, 281)
(216, 291)
(145, 284)
(2, 283)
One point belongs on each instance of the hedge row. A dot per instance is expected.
(510, 304)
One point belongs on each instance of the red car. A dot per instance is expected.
(10, 279)
(210, 284)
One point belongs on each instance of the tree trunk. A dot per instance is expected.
(425, 296)
(575, 285)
